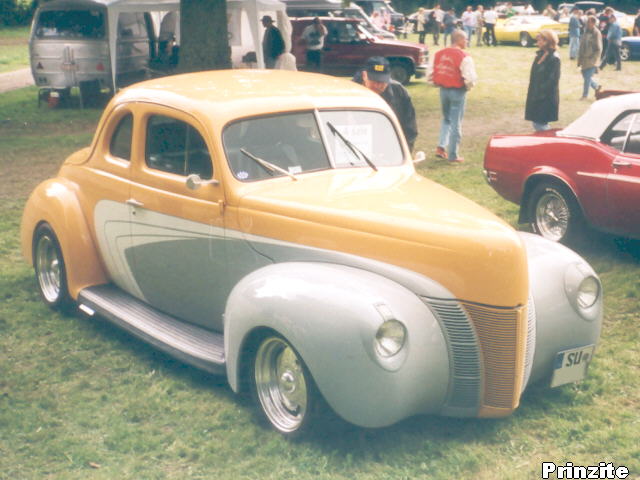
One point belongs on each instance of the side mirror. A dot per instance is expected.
(420, 157)
(194, 182)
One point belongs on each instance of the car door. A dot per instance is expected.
(623, 182)
(178, 231)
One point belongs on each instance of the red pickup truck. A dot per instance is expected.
(347, 47)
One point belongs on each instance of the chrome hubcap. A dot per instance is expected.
(281, 384)
(48, 264)
(552, 216)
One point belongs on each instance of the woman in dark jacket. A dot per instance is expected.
(543, 97)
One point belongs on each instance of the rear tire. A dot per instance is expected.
(50, 270)
(554, 213)
(525, 40)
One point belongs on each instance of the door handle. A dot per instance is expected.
(621, 163)
(134, 203)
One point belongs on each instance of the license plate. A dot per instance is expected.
(571, 365)
(69, 67)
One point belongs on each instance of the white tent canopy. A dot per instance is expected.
(244, 16)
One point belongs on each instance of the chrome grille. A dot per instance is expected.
(531, 341)
(500, 332)
(464, 355)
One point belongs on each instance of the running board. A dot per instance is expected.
(194, 345)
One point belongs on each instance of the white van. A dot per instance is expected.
(70, 45)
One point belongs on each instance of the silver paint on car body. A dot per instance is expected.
(328, 312)
(558, 326)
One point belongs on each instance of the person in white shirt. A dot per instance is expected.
(469, 23)
(490, 19)
(313, 36)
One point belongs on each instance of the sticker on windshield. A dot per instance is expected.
(360, 135)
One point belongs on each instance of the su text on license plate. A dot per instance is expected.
(571, 365)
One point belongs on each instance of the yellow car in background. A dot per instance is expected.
(523, 29)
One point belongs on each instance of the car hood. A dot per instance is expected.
(399, 43)
(398, 217)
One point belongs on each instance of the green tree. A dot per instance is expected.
(204, 41)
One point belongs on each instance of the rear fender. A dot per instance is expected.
(56, 202)
(330, 314)
(538, 175)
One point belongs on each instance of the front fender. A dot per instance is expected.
(330, 314)
(55, 202)
(559, 325)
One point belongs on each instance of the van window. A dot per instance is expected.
(131, 25)
(70, 24)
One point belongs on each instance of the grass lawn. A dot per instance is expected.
(80, 399)
(14, 48)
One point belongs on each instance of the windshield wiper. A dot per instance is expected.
(356, 151)
(268, 166)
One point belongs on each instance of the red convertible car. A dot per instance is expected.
(587, 174)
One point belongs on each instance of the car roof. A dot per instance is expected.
(220, 96)
(593, 123)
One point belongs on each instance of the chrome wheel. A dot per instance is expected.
(48, 264)
(525, 39)
(552, 215)
(50, 269)
(281, 384)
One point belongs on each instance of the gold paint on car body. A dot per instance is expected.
(394, 215)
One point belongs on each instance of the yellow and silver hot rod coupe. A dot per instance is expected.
(271, 227)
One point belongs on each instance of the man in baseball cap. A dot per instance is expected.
(376, 76)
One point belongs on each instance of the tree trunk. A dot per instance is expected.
(204, 43)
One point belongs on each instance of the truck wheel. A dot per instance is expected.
(525, 40)
(50, 269)
(554, 213)
(400, 72)
(283, 387)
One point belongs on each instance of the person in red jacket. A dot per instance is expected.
(454, 72)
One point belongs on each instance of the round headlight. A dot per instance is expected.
(390, 338)
(588, 292)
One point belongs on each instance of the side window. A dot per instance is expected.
(121, 140)
(617, 135)
(131, 24)
(176, 147)
(633, 142)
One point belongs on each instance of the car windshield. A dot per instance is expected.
(295, 143)
(70, 24)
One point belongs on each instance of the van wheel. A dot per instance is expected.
(400, 72)
(283, 387)
(525, 40)
(50, 270)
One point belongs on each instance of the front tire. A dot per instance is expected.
(554, 213)
(50, 270)
(283, 387)
(400, 72)
(525, 40)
